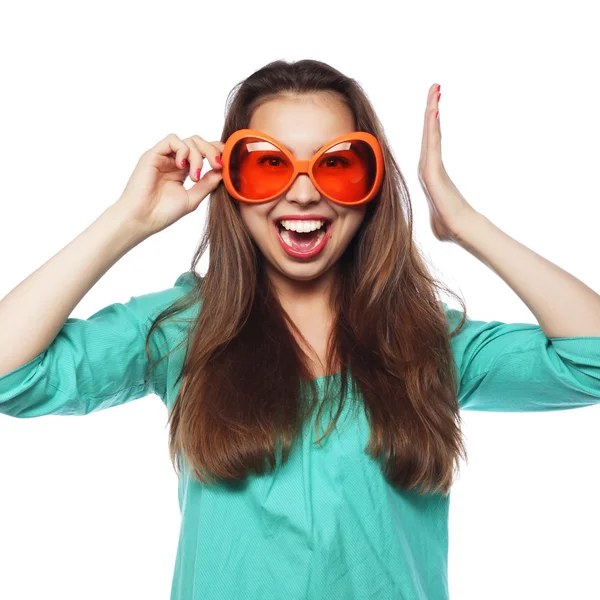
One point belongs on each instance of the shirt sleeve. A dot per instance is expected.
(94, 363)
(514, 367)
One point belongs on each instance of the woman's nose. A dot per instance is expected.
(303, 190)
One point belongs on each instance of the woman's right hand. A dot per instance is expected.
(154, 196)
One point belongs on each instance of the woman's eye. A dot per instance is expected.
(273, 161)
(334, 161)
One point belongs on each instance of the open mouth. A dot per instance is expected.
(303, 241)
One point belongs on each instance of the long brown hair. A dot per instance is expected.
(246, 384)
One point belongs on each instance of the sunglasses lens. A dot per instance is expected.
(346, 172)
(258, 169)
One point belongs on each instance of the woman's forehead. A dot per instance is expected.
(302, 127)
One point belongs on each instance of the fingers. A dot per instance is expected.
(199, 150)
(430, 143)
(432, 95)
(190, 152)
(435, 137)
(220, 145)
(169, 145)
(209, 181)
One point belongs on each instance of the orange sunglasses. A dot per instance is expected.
(258, 168)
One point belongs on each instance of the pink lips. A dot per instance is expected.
(318, 248)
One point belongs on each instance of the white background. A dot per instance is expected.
(88, 506)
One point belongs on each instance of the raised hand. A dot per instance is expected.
(447, 207)
(154, 196)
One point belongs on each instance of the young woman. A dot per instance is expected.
(313, 378)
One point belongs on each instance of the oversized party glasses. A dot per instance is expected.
(258, 168)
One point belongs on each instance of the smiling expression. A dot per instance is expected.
(302, 124)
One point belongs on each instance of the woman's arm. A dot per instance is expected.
(32, 314)
(562, 304)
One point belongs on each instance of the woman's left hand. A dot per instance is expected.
(447, 207)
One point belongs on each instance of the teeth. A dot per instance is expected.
(301, 226)
(285, 236)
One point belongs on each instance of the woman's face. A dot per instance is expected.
(303, 125)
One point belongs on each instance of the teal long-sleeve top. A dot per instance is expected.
(326, 525)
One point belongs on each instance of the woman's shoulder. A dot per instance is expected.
(187, 279)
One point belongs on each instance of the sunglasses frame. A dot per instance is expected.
(302, 166)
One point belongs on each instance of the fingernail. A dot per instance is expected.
(439, 86)
(198, 174)
(439, 96)
(437, 112)
(183, 163)
(218, 159)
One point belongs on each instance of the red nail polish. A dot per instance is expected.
(439, 86)
(439, 96)
(437, 112)
(183, 163)
(218, 159)
(198, 174)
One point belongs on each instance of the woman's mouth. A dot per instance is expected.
(303, 245)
